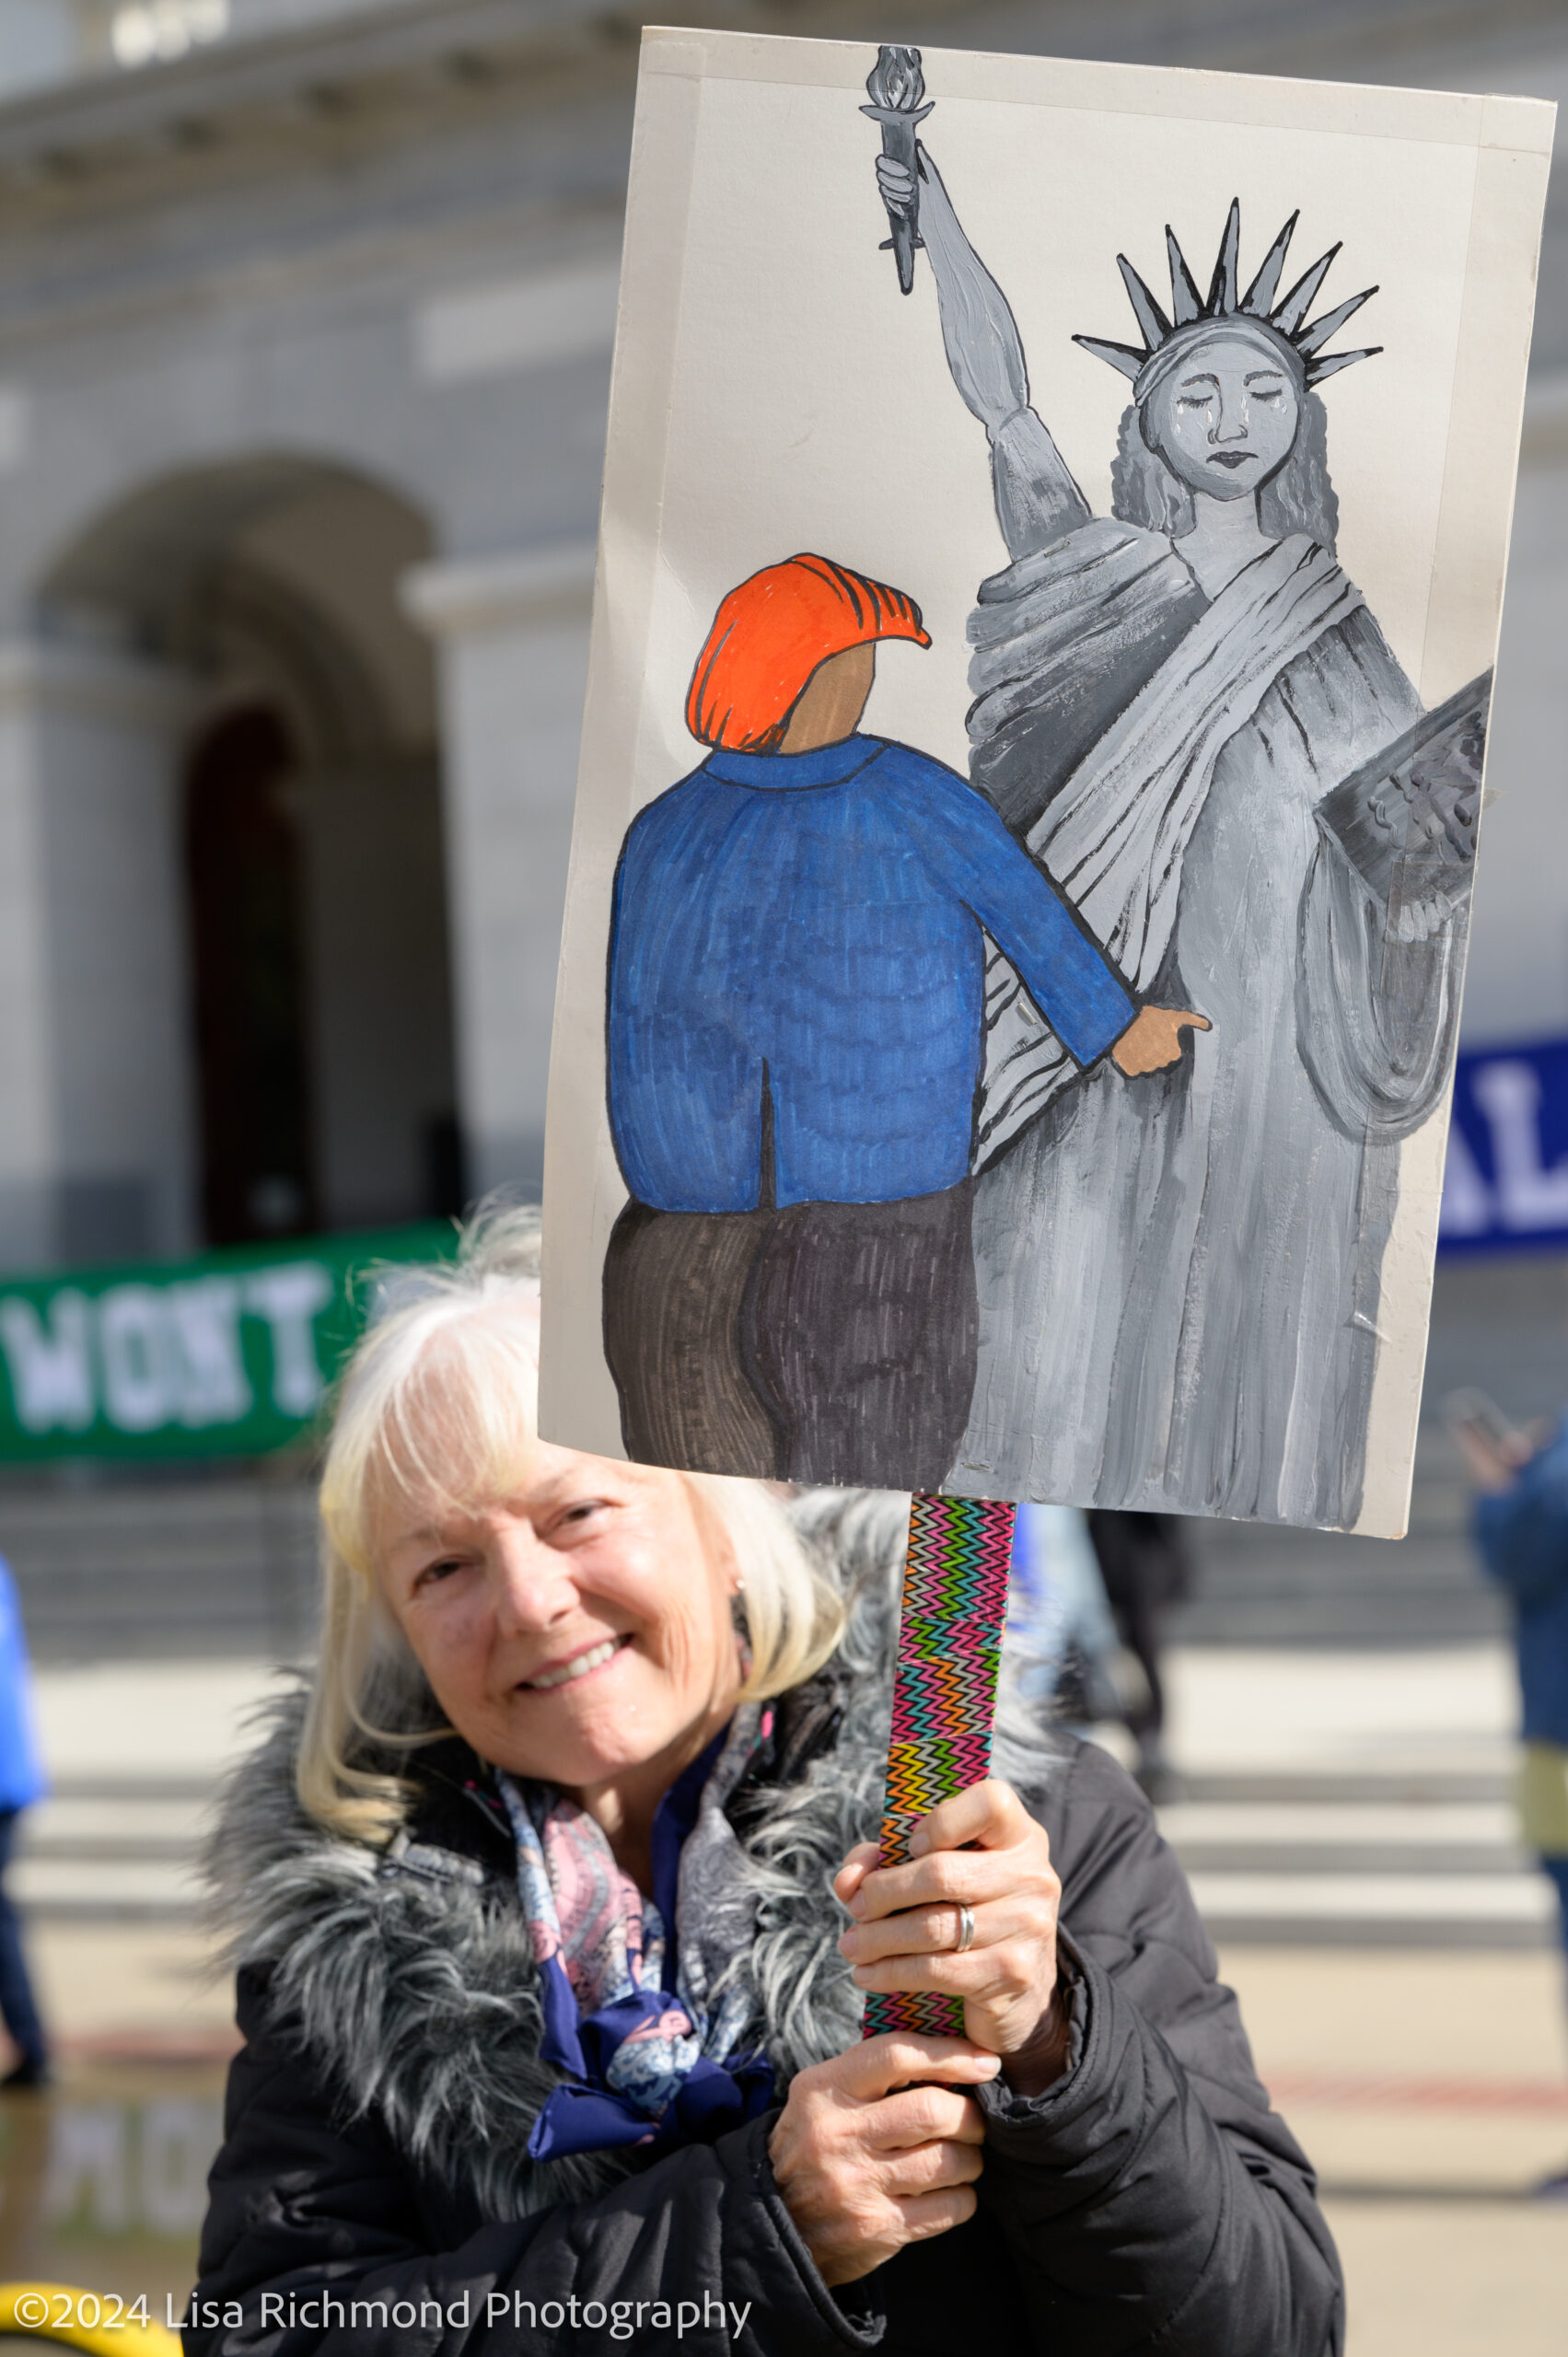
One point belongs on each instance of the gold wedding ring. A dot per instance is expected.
(966, 1928)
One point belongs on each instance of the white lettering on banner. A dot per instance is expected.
(205, 1318)
(1467, 1207)
(171, 1354)
(177, 2139)
(116, 2166)
(291, 1299)
(88, 2157)
(154, 1355)
(50, 1364)
(140, 1386)
(1530, 1196)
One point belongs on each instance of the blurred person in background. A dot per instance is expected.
(1062, 1639)
(1144, 1563)
(1521, 1533)
(22, 1782)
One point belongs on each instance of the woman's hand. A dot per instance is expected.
(982, 1850)
(867, 2161)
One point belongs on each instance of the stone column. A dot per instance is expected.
(513, 640)
(95, 1068)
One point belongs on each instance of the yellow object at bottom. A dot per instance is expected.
(81, 2320)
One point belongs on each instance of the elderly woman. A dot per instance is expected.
(553, 1903)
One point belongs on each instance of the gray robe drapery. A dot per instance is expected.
(1179, 1275)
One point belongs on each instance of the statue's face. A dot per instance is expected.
(1226, 420)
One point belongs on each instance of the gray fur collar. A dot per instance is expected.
(405, 1976)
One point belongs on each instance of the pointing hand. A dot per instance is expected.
(1154, 1038)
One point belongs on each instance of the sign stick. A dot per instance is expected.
(943, 1695)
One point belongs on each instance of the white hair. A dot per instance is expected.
(438, 1403)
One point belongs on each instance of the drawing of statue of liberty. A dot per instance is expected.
(1189, 715)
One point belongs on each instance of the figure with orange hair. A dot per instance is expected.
(795, 1016)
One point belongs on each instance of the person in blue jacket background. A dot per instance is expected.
(22, 1782)
(1521, 1533)
(794, 1044)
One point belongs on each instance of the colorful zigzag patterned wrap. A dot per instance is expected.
(944, 1694)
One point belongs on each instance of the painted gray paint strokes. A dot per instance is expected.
(1227, 773)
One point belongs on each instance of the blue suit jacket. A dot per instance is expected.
(795, 947)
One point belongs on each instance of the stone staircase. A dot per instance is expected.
(1260, 1584)
(1331, 1796)
(1352, 1798)
(1344, 1707)
(136, 1750)
(169, 1566)
(1501, 1325)
(1406, 1862)
(215, 1573)
(1287, 1862)
(103, 1852)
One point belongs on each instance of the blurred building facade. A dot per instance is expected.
(305, 313)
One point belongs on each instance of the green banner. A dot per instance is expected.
(227, 1355)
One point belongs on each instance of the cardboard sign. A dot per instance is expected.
(1050, 570)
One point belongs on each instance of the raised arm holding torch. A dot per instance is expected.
(896, 89)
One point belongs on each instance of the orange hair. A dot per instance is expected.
(770, 635)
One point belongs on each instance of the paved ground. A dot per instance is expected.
(1409, 2019)
(1431, 2091)
(1349, 1794)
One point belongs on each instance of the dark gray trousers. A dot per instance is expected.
(824, 1342)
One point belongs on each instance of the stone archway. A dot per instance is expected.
(272, 963)
(245, 879)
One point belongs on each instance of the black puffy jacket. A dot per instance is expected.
(371, 2194)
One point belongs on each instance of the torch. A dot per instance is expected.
(896, 86)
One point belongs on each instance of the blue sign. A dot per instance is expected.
(1506, 1182)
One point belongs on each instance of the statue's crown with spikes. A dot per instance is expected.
(1258, 307)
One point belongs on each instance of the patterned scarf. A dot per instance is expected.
(643, 2006)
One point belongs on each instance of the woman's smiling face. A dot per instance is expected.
(1226, 420)
(575, 1630)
